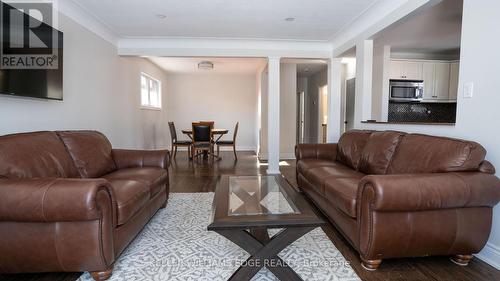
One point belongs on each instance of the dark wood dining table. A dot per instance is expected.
(216, 132)
(219, 133)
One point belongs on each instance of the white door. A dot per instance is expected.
(454, 72)
(323, 113)
(349, 104)
(442, 81)
(300, 117)
(428, 77)
(412, 70)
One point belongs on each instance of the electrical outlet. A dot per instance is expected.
(468, 90)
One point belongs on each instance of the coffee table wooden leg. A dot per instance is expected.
(265, 254)
(261, 234)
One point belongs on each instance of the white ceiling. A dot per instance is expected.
(431, 29)
(221, 65)
(255, 19)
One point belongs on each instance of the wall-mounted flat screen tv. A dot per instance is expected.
(18, 77)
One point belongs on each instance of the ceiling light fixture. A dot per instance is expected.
(290, 19)
(161, 16)
(205, 65)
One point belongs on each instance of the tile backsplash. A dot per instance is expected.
(422, 112)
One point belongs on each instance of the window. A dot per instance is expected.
(150, 92)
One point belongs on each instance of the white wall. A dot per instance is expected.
(288, 110)
(223, 98)
(147, 128)
(477, 117)
(263, 148)
(98, 86)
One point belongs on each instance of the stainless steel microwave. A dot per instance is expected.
(405, 90)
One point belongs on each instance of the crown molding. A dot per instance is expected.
(85, 18)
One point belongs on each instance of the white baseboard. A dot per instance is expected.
(287, 156)
(283, 156)
(491, 255)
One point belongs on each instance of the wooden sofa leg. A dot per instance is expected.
(370, 265)
(102, 275)
(462, 260)
(164, 205)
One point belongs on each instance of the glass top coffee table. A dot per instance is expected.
(245, 207)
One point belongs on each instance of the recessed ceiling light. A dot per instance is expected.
(289, 19)
(161, 16)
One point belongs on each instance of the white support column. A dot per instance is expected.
(385, 83)
(273, 123)
(334, 99)
(364, 69)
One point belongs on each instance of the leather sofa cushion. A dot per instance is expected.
(350, 147)
(91, 151)
(428, 154)
(153, 178)
(131, 197)
(341, 193)
(378, 152)
(319, 176)
(35, 155)
(306, 164)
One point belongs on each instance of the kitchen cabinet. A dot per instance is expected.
(442, 81)
(429, 73)
(454, 72)
(436, 76)
(405, 70)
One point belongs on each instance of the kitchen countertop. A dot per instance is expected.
(408, 123)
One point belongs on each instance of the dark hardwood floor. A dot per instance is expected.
(200, 176)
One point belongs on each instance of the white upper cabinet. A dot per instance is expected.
(436, 76)
(413, 70)
(454, 72)
(396, 71)
(442, 81)
(405, 70)
(429, 73)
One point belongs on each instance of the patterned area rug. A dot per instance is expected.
(175, 245)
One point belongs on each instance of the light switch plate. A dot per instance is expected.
(468, 90)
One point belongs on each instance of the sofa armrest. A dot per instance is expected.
(420, 192)
(327, 151)
(54, 200)
(141, 158)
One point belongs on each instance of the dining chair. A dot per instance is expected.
(202, 139)
(212, 126)
(176, 143)
(229, 143)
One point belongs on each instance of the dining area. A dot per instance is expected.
(203, 140)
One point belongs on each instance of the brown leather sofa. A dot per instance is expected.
(69, 202)
(393, 194)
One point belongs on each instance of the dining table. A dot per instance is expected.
(218, 133)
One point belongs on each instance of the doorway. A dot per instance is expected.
(300, 117)
(350, 90)
(312, 100)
